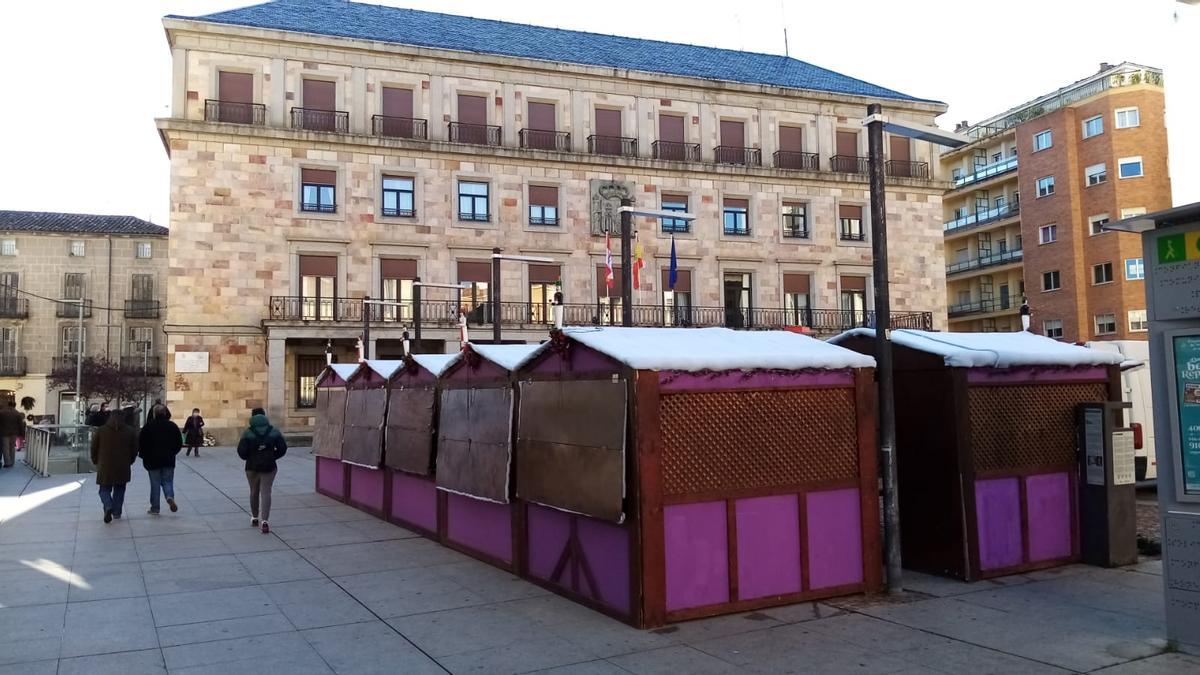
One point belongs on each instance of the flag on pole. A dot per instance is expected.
(638, 264)
(673, 275)
(608, 268)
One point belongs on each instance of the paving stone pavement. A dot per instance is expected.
(334, 590)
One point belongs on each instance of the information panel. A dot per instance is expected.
(1186, 350)
(1123, 462)
(1093, 444)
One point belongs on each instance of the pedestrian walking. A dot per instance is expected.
(193, 429)
(261, 445)
(158, 444)
(114, 449)
(97, 416)
(12, 427)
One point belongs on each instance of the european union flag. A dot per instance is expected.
(674, 273)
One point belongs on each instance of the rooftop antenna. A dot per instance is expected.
(783, 20)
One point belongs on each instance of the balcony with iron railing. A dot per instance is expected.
(474, 134)
(849, 164)
(12, 307)
(65, 362)
(897, 168)
(147, 364)
(1011, 256)
(732, 154)
(12, 365)
(795, 226)
(538, 139)
(399, 127)
(797, 161)
(311, 119)
(976, 307)
(233, 112)
(987, 171)
(69, 309)
(981, 217)
(142, 309)
(675, 152)
(617, 146)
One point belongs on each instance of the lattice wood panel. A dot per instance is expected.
(1027, 426)
(742, 440)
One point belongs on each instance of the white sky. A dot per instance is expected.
(85, 79)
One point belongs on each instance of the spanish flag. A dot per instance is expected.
(638, 264)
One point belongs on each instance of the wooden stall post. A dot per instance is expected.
(864, 399)
(650, 550)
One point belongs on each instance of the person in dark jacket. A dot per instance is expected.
(97, 417)
(114, 449)
(12, 427)
(193, 429)
(261, 445)
(158, 444)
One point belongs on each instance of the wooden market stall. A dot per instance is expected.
(986, 443)
(362, 439)
(331, 474)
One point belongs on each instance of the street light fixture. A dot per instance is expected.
(876, 122)
(497, 256)
(628, 211)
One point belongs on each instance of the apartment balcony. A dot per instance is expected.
(233, 112)
(987, 171)
(904, 169)
(675, 152)
(797, 161)
(69, 309)
(66, 362)
(978, 307)
(849, 164)
(139, 364)
(142, 309)
(321, 120)
(474, 134)
(12, 307)
(537, 139)
(399, 127)
(1001, 212)
(1015, 255)
(732, 154)
(617, 146)
(12, 366)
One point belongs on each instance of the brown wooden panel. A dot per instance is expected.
(472, 109)
(330, 420)
(543, 195)
(670, 128)
(1014, 427)
(397, 102)
(791, 139)
(319, 95)
(733, 134)
(737, 203)
(544, 274)
(847, 143)
(362, 442)
(615, 291)
(474, 271)
(898, 147)
(318, 266)
(235, 87)
(395, 268)
(850, 211)
(541, 116)
(608, 122)
(475, 442)
(318, 176)
(408, 440)
(683, 280)
(795, 283)
(854, 283)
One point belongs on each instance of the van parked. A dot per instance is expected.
(1135, 385)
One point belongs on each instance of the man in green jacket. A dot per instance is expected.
(261, 445)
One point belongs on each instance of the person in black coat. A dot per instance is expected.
(261, 445)
(158, 444)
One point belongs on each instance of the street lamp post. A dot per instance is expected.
(418, 313)
(628, 211)
(495, 290)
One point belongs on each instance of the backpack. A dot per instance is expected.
(262, 456)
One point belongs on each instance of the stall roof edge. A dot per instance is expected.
(436, 363)
(344, 371)
(992, 350)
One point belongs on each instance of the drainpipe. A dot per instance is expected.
(108, 303)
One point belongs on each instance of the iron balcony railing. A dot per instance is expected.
(906, 169)
(986, 261)
(987, 171)
(12, 365)
(978, 307)
(69, 309)
(399, 127)
(618, 146)
(795, 226)
(12, 307)
(64, 362)
(852, 234)
(797, 161)
(234, 112)
(984, 216)
(142, 309)
(474, 134)
(444, 314)
(675, 151)
(849, 164)
(731, 154)
(321, 120)
(537, 139)
(139, 364)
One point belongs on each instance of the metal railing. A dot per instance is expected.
(987, 171)
(619, 146)
(475, 134)
(905, 169)
(980, 217)
(70, 309)
(12, 307)
(986, 261)
(234, 112)
(849, 164)
(798, 161)
(399, 127)
(977, 307)
(731, 154)
(142, 309)
(67, 361)
(321, 120)
(37, 448)
(137, 363)
(538, 139)
(851, 234)
(795, 226)
(12, 365)
(65, 447)
(675, 151)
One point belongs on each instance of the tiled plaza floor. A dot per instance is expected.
(334, 590)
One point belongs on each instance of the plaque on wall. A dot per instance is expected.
(606, 196)
(191, 362)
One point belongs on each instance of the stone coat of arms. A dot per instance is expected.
(606, 196)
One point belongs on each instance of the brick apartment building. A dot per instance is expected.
(322, 151)
(1031, 194)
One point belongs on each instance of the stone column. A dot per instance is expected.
(179, 83)
(276, 384)
(826, 139)
(579, 134)
(277, 104)
(358, 101)
(643, 127)
(706, 133)
(508, 115)
(437, 110)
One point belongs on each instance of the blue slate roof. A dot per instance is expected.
(460, 33)
(76, 223)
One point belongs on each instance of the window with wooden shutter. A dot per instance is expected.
(543, 205)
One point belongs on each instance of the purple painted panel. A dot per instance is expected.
(768, 546)
(366, 487)
(330, 476)
(463, 372)
(366, 378)
(403, 378)
(1036, 374)
(998, 515)
(834, 538)
(697, 557)
(1048, 503)
(485, 527)
(583, 360)
(606, 547)
(676, 380)
(414, 500)
(547, 531)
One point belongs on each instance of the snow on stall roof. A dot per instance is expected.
(992, 350)
(695, 349)
(385, 367)
(509, 357)
(435, 363)
(342, 370)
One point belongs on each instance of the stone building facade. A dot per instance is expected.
(116, 264)
(300, 197)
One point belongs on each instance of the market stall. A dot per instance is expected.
(331, 474)
(362, 439)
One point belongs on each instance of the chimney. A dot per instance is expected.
(1104, 66)
(960, 126)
